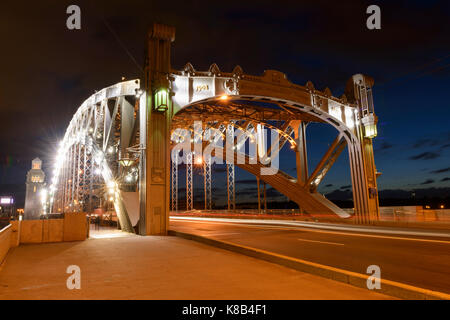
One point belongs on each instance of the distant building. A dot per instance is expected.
(35, 184)
(7, 210)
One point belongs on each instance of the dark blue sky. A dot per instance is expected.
(48, 70)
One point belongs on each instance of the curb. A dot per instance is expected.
(388, 287)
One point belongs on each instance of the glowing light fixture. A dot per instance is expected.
(199, 160)
(126, 162)
(370, 126)
(162, 100)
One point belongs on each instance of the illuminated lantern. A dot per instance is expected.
(370, 126)
(161, 100)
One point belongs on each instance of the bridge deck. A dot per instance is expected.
(137, 267)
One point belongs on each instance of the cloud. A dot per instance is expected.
(428, 181)
(441, 170)
(384, 146)
(271, 192)
(339, 195)
(430, 192)
(425, 156)
(425, 142)
(346, 187)
(329, 185)
(246, 181)
(246, 192)
(445, 179)
(442, 142)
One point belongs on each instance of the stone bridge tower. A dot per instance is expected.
(34, 186)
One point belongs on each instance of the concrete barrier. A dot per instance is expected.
(31, 231)
(5, 242)
(15, 232)
(72, 228)
(53, 230)
(75, 227)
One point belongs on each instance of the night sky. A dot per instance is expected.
(48, 71)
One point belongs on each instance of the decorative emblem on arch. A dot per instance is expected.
(231, 86)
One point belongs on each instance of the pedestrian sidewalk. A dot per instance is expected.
(134, 267)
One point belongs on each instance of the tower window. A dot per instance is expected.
(36, 179)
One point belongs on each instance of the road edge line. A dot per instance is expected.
(388, 287)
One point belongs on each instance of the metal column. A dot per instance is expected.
(207, 183)
(231, 192)
(189, 183)
(174, 184)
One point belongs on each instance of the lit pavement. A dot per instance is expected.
(419, 258)
(135, 267)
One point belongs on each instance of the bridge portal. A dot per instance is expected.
(128, 140)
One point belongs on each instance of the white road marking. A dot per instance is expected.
(224, 233)
(325, 242)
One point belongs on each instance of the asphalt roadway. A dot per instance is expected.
(419, 258)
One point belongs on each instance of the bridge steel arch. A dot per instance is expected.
(87, 164)
(215, 95)
(129, 123)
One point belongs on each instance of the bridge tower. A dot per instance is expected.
(155, 137)
(35, 185)
(362, 164)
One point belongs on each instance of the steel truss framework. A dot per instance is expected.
(106, 129)
(88, 173)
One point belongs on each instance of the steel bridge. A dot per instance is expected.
(125, 143)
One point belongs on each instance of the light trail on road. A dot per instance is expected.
(419, 258)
